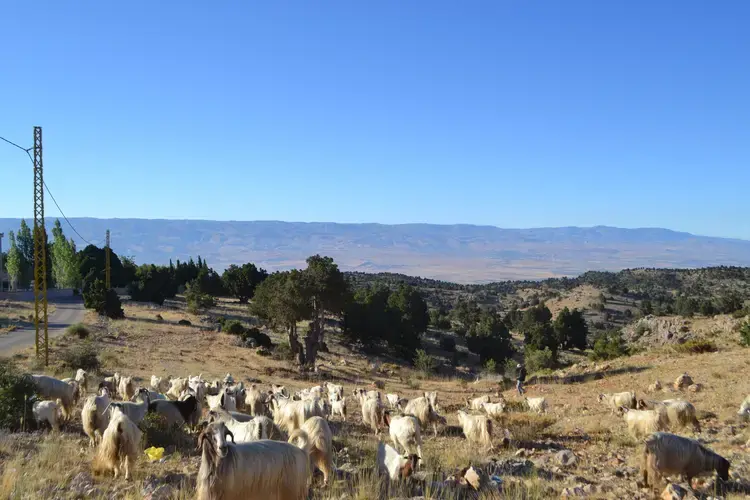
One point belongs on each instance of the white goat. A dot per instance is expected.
(477, 428)
(198, 385)
(225, 399)
(55, 389)
(255, 401)
(258, 428)
(316, 439)
(668, 454)
(335, 391)
(271, 470)
(76, 389)
(392, 399)
(293, 414)
(679, 413)
(477, 403)
(641, 423)
(46, 411)
(394, 465)
(405, 434)
(538, 405)
(338, 407)
(617, 400)
(120, 446)
(432, 397)
(494, 410)
(176, 386)
(136, 411)
(425, 413)
(159, 385)
(95, 416)
(372, 414)
(126, 388)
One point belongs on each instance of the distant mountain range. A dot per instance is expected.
(460, 253)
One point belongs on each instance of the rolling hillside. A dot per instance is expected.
(458, 253)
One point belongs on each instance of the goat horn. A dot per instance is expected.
(229, 433)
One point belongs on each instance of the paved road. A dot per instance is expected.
(67, 312)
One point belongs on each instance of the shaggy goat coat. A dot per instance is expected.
(477, 428)
(316, 439)
(95, 416)
(405, 433)
(668, 454)
(261, 470)
(120, 446)
(425, 413)
(641, 423)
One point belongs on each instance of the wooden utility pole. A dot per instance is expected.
(40, 250)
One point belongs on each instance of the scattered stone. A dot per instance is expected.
(162, 492)
(695, 388)
(520, 453)
(184, 322)
(566, 458)
(159, 317)
(676, 492)
(572, 492)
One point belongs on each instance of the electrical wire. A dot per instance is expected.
(47, 188)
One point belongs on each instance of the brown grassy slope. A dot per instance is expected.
(141, 346)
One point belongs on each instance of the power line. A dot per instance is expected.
(47, 188)
(14, 144)
(63, 214)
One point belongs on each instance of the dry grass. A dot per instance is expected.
(142, 345)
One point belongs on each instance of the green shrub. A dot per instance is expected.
(78, 329)
(196, 299)
(233, 327)
(105, 302)
(81, 356)
(448, 344)
(15, 389)
(424, 362)
(745, 334)
(157, 432)
(609, 345)
(537, 360)
(490, 367)
(696, 346)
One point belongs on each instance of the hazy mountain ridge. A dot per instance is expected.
(461, 253)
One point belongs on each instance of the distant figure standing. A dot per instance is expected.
(521, 378)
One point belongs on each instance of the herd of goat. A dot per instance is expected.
(268, 441)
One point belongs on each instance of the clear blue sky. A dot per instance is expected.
(510, 113)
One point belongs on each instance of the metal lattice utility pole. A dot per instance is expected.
(107, 272)
(40, 249)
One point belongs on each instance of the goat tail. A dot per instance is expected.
(301, 440)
